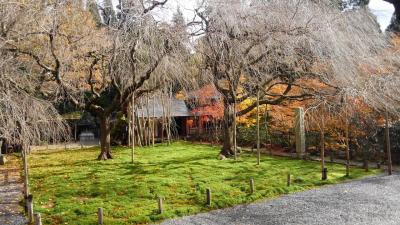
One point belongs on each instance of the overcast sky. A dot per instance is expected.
(383, 12)
(380, 8)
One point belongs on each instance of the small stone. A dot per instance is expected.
(221, 157)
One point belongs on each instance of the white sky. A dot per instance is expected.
(381, 9)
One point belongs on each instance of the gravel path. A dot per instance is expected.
(366, 202)
(10, 195)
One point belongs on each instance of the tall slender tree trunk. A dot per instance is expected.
(322, 145)
(142, 128)
(163, 117)
(347, 147)
(267, 134)
(105, 138)
(169, 116)
(234, 129)
(129, 121)
(148, 120)
(258, 129)
(133, 128)
(387, 138)
(138, 130)
(154, 121)
(26, 171)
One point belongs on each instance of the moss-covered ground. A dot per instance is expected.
(69, 186)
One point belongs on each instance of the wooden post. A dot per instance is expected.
(388, 150)
(208, 196)
(289, 180)
(100, 216)
(160, 205)
(251, 186)
(29, 207)
(38, 219)
(258, 129)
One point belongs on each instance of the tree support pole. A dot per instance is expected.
(387, 138)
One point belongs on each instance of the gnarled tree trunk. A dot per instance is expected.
(228, 134)
(105, 138)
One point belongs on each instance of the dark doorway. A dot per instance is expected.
(181, 126)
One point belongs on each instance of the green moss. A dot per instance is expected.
(69, 186)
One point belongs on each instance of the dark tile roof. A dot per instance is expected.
(178, 108)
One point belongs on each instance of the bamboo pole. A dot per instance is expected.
(258, 129)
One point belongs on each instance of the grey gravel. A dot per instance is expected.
(11, 212)
(374, 201)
